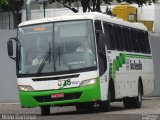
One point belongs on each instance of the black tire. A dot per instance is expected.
(85, 106)
(79, 107)
(127, 102)
(137, 101)
(45, 110)
(105, 106)
(134, 102)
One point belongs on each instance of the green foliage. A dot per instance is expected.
(94, 5)
(4, 4)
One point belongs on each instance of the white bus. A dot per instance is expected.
(82, 59)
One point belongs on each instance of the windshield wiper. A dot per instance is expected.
(47, 57)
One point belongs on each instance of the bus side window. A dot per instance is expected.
(122, 39)
(130, 40)
(145, 46)
(126, 30)
(119, 38)
(144, 42)
(133, 38)
(101, 57)
(114, 36)
(98, 25)
(141, 42)
(113, 42)
(147, 42)
(138, 48)
(108, 32)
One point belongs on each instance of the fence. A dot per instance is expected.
(6, 20)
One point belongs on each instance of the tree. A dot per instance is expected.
(4, 4)
(88, 5)
(94, 5)
(14, 6)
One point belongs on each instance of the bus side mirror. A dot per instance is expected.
(10, 48)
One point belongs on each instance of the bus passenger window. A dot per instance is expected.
(98, 25)
(130, 40)
(117, 36)
(114, 36)
(133, 38)
(120, 39)
(137, 42)
(140, 49)
(126, 39)
(108, 32)
(129, 44)
(141, 41)
(123, 38)
(147, 43)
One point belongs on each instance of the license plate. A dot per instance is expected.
(59, 95)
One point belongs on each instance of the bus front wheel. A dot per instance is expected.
(85, 106)
(105, 106)
(45, 110)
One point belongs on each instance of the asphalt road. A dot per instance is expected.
(150, 111)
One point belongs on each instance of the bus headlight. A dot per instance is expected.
(25, 88)
(88, 82)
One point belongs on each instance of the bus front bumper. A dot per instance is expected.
(71, 96)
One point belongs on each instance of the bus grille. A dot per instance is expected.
(48, 98)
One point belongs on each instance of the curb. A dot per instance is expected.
(151, 98)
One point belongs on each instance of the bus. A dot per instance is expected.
(82, 60)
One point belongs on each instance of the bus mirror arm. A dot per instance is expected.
(10, 48)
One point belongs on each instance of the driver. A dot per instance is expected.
(38, 59)
(84, 47)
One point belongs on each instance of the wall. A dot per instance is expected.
(6, 20)
(155, 42)
(157, 18)
(8, 87)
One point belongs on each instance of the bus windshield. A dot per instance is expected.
(56, 47)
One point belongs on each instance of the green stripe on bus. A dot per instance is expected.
(117, 63)
(139, 56)
(120, 60)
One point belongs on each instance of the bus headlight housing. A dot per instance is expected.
(88, 82)
(25, 88)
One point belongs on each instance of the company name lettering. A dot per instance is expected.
(67, 83)
(135, 66)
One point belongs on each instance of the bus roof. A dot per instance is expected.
(82, 16)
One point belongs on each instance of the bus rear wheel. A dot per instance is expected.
(45, 110)
(134, 102)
